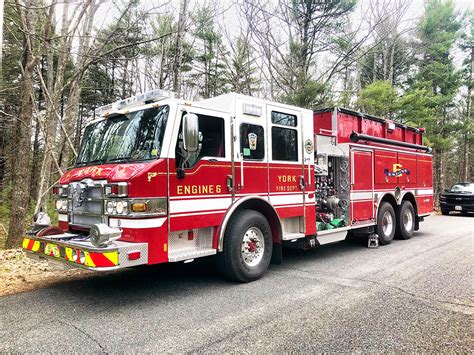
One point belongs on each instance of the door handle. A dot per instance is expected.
(301, 181)
(229, 183)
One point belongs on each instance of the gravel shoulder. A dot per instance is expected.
(19, 273)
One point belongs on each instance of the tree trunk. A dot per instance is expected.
(466, 161)
(374, 67)
(22, 136)
(179, 36)
(391, 75)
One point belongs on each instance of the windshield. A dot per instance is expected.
(463, 188)
(131, 137)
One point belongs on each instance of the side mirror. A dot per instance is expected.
(190, 132)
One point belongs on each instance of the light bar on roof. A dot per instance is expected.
(139, 99)
(157, 94)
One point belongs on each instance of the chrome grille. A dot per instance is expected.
(86, 202)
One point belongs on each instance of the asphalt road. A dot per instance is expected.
(414, 295)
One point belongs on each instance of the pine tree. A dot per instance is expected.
(242, 69)
(437, 78)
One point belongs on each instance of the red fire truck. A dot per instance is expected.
(160, 179)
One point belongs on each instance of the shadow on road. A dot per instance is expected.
(176, 280)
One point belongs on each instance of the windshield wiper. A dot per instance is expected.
(96, 161)
(124, 159)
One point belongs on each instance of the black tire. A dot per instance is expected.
(444, 212)
(386, 223)
(405, 221)
(231, 262)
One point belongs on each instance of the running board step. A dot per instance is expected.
(292, 236)
(187, 254)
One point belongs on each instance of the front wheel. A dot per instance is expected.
(247, 247)
(386, 223)
(406, 220)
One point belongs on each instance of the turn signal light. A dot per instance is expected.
(138, 207)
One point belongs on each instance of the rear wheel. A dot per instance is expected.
(406, 220)
(386, 223)
(247, 247)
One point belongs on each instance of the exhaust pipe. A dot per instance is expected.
(355, 137)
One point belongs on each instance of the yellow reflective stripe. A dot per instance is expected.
(69, 254)
(25, 243)
(88, 261)
(36, 245)
(112, 256)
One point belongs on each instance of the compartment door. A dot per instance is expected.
(407, 169)
(362, 185)
(386, 164)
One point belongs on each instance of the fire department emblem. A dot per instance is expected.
(252, 141)
(396, 171)
(79, 193)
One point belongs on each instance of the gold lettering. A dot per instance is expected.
(198, 189)
(279, 178)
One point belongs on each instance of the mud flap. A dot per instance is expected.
(277, 253)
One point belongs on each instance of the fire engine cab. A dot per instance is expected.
(160, 179)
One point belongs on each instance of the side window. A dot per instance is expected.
(211, 138)
(284, 140)
(284, 119)
(252, 141)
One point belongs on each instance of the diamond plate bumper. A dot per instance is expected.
(73, 252)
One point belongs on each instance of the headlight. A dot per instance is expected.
(121, 207)
(109, 207)
(61, 205)
(138, 207)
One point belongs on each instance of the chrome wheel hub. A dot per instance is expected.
(253, 246)
(407, 219)
(387, 223)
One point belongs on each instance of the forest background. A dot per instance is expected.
(409, 61)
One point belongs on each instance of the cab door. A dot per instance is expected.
(287, 177)
(198, 186)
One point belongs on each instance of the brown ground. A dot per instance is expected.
(19, 273)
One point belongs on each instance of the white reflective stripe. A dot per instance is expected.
(137, 223)
(194, 197)
(361, 195)
(289, 206)
(62, 217)
(197, 213)
(286, 199)
(424, 192)
(200, 204)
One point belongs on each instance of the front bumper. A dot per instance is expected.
(455, 207)
(73, 251)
